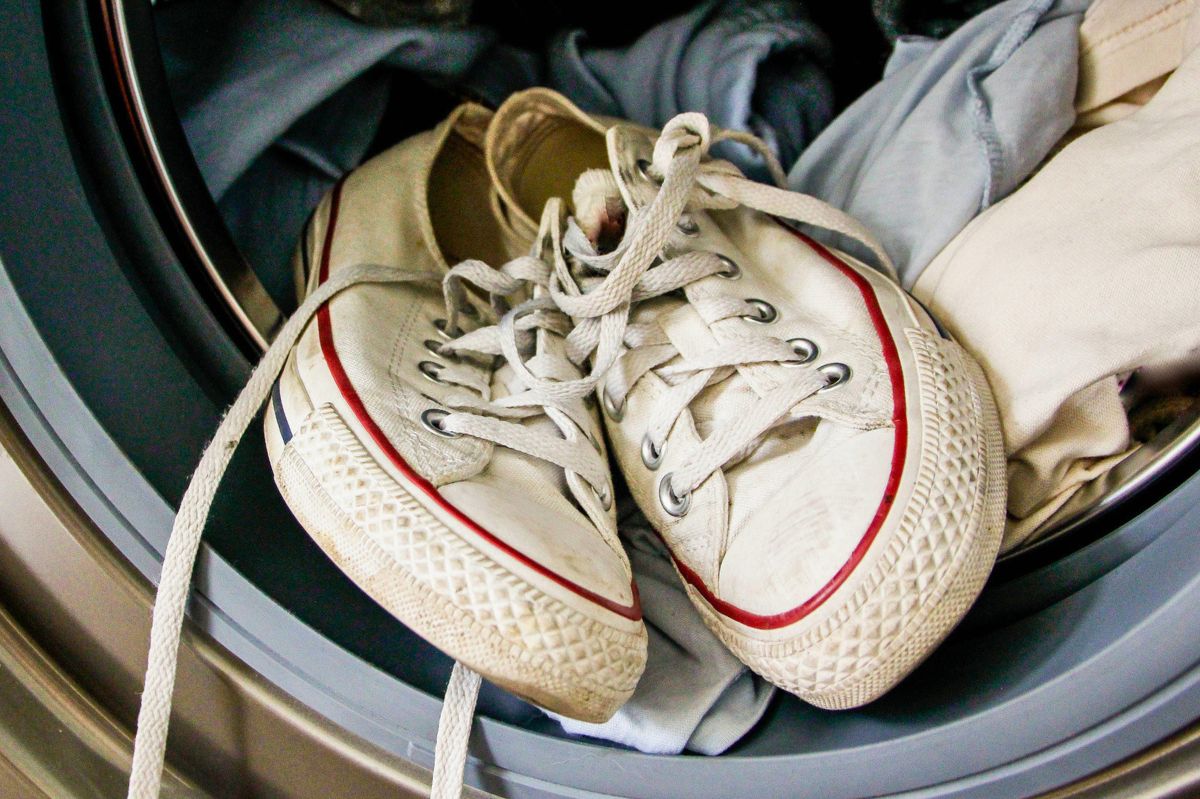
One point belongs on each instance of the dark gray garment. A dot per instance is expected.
(266, 207)
(283, 58)
(406, 12)
(935, 19)
(280, 98)
(759, 67)
(952, 128)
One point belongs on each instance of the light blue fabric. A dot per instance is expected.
(694, 695)
(952, 128)
(760, 67)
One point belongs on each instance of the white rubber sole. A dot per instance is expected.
(935, 558)
(467, 604)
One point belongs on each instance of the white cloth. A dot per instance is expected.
(1088, 272)
(694, 695)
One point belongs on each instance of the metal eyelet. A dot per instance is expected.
(440, 325)
(652, 456)
(614, 411)
(605, 497)
(805, 348)
(432, 420)
(731, 271)
(643, 167)
(434, 347)
(688, 226)
(675, 505)
(430, 370)
(836, 374)
(764, 312)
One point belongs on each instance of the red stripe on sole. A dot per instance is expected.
(350, 395)
(899, 418)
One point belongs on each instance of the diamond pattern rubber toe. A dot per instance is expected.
(448, 591)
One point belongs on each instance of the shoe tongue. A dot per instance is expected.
(630, 150)
(536, 147)
(600, 211)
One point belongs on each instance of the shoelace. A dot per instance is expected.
(648, 263)
(581, 460)
(514, 339)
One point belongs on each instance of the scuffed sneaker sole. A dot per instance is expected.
(450, 593)
(935, 562)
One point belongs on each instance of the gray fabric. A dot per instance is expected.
(951, 129)
(267, 205)
(405, 12)
(279, 98)
(694, 695)
(282, 58)
(760, 67)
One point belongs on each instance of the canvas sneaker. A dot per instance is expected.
(476, 511)
(406, 435)
(822, 461)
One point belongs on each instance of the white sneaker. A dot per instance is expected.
(478, 511)
(824, 464)
(475, 511)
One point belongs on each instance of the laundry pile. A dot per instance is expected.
(645, 376)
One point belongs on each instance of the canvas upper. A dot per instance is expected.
(504, 559)
(835, 548)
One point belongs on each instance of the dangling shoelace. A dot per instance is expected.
(474, 415)
(645, 265)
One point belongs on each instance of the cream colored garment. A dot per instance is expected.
(1090, 270)
(1127, 48)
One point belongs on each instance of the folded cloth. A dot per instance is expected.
(761, 67)
(1085, 274)
(279, 98)
(1126, 50)
(694, 694)
(952, 128)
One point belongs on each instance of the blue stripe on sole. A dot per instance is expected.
(285, 430)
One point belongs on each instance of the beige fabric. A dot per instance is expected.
(1126, 50)
(1089, 271)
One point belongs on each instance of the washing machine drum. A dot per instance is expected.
(130, 320)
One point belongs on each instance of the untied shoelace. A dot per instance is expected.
(600, 335)
(473, 415)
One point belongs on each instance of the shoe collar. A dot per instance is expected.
(537, 145)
